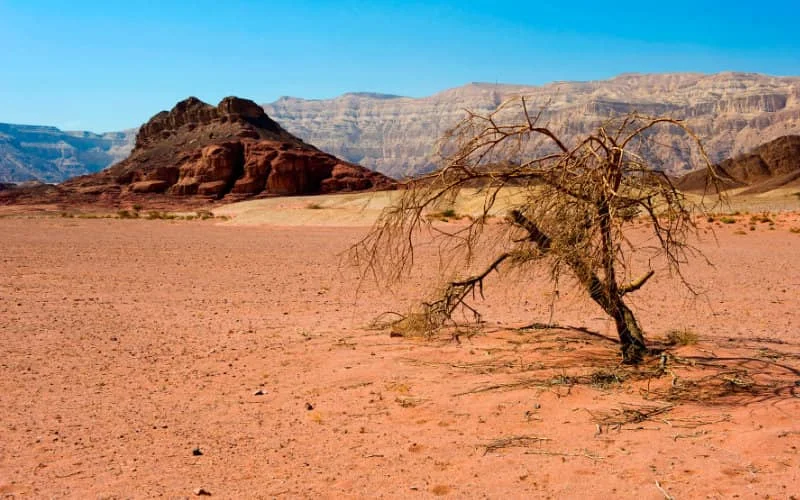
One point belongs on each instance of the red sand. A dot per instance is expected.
(126, 344)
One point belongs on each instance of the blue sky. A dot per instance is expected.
(111, 65)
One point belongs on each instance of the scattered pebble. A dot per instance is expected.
(202, 492)
(197, 452)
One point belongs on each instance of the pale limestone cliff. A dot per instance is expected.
(731, 112)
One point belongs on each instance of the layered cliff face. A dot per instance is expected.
(731, 112)
(233, 148)
(51, 155)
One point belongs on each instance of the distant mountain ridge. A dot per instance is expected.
(31, 152)
(732, 113)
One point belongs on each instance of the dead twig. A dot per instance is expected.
(513, 441)
(69, 475)
(584, 453)
(629, 414)
(667, 496)
(688, 436)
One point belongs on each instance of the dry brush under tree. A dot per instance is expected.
(574, 203)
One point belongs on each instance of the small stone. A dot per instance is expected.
(259, 393)
(197, 452)
(309, 406)
(202, 492)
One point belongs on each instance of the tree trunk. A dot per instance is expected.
(607, 294)
(631, 337)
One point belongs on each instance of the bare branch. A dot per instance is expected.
(571, 209)
(635, 285)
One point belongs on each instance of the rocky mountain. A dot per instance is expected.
(770, 166)
(48, 154)
(231, 150)
(731, 112)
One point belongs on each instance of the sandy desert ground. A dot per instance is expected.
(150, 358)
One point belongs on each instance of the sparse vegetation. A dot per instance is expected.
(412, 324)
(763, 218)
(314, 206)
(576, 201)
(682, 337)
(127, 214)
(94, 216)
(727, 220)
(604, 379)
(151, 215)
(444, 215)
(160, 215)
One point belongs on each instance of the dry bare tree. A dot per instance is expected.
(573, 204)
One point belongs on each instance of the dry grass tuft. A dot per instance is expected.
(513, 441)
(414, 324)
(682, 337)
(444, 215)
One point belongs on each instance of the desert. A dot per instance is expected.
(129, 344)
(399, 250)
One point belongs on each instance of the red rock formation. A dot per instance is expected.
(233, 148)
(769, 166)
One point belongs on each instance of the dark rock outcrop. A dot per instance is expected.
(232, 149)
(769, 166)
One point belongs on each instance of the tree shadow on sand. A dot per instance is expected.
(709, 372)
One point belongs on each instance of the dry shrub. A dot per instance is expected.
(126, 214)
(682, 337)
(414, 324)
(444, 215)
(160, 215)
(574, 204)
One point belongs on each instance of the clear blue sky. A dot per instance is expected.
(110, 65)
